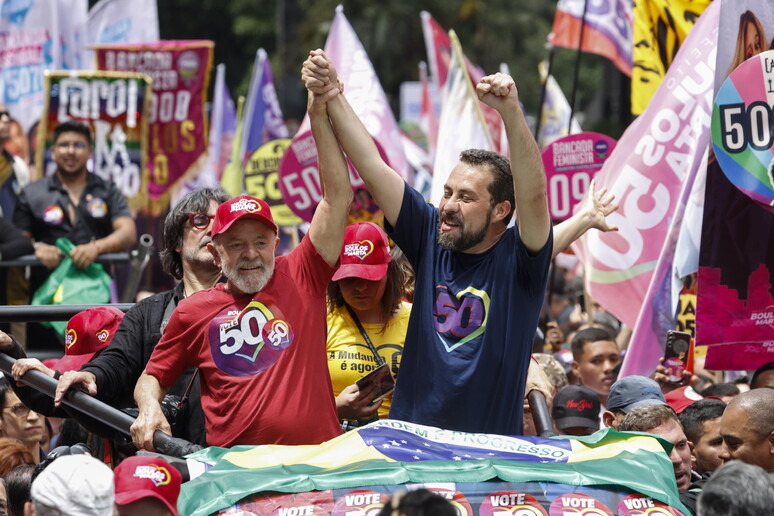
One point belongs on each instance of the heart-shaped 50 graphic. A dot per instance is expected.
(460, 317)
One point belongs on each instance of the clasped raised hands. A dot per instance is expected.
(319, 75)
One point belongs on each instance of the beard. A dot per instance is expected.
(467, 238)
(254, 282)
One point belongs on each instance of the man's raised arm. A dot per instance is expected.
(330, 218)
(382, 182)
(529, 178)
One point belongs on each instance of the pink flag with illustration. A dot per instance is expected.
(651, 172)
(607, 31)
(735, 304)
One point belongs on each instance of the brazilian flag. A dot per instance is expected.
(390, 452)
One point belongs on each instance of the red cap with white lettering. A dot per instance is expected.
(238, 208)
(366, 252)
(143, 476)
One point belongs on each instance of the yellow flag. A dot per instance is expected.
(660, 26)
(232, 174)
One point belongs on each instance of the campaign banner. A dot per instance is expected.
(467, 498)
(571, 163)
(660, 27)
(29, 45)
(299, 175)
(178, 124)
(651, 172)
(223, 121)
(735, 301)
(114, 105)
(607, 30)
(404, 453)
(742, 122)
(262, 180)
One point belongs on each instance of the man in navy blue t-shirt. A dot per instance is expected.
(479, 285)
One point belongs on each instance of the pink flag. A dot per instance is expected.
(608, 30)
(363, 90)
(651, 172)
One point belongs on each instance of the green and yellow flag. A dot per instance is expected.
(630, 470)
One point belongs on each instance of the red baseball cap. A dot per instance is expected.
(366, 252)
(142, 476)
(238, 208)
(679, 399)
(87, 332)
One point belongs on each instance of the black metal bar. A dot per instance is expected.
(31, 260)
(37, 313)
(88, 405)
(577, 66)
(138, 261)
(540, 414)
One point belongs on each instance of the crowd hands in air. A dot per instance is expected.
(348, 299)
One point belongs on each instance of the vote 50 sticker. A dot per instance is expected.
(578, 504)
(743, 128)
(248, 341)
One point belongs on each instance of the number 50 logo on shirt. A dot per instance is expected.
(248, 342)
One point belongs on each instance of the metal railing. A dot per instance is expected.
(137, 259)
(38, 313)
(98, 410)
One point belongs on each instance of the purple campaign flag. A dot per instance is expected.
(263, 118)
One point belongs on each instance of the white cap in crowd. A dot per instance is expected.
(76, 485)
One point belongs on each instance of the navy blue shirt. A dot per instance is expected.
(43, 210)
(473, 320)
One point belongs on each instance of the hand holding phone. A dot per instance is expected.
(382, 381)
(678, 346)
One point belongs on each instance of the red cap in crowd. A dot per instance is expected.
(142, 476)
(680, 398)
(87, 332)
(366, 252)
(238, 208)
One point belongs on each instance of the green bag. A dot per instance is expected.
(69, 285)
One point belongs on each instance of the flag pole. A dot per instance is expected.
(577, 66)
(543, 89)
